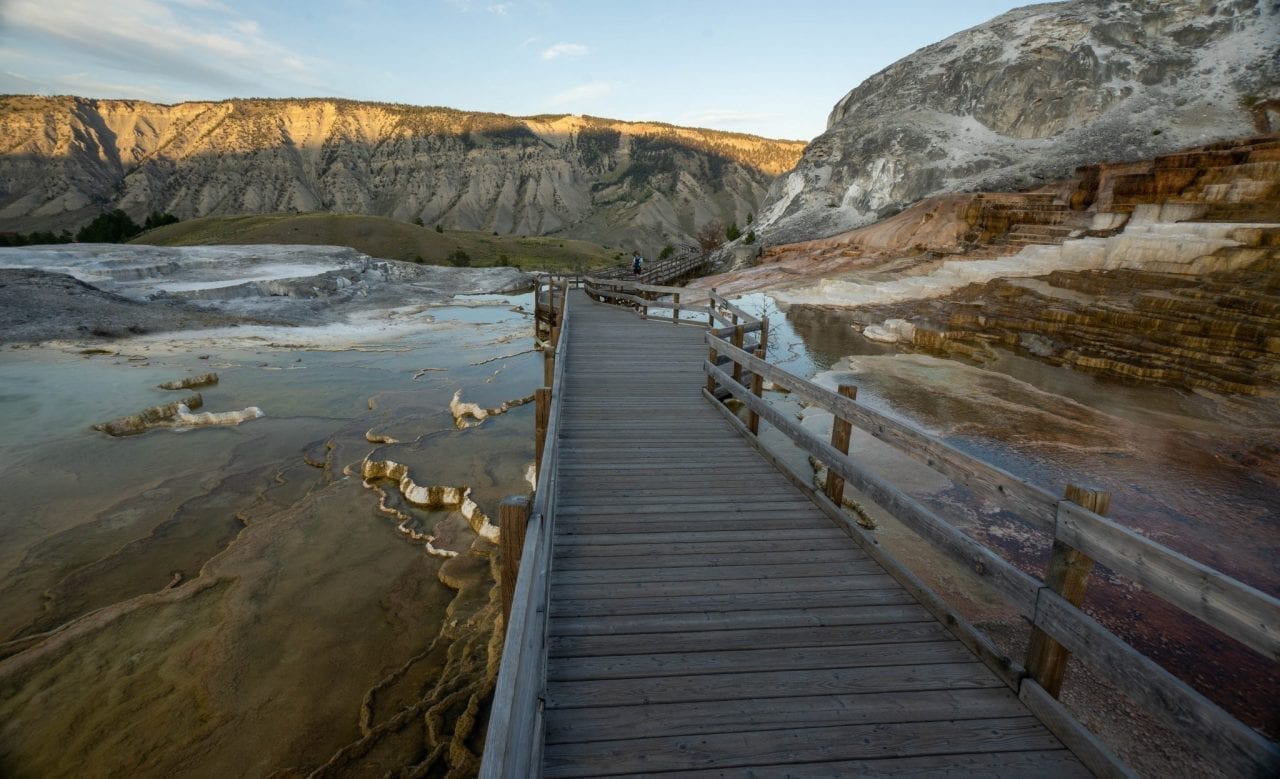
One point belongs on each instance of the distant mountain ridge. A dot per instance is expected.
(63, 160)
(1027, 97)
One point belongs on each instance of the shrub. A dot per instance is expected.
(666, 252)
(112, 227)
(459, 259)
(37, 237)
(157, 219)
(710, 238)
(750, 218)
(418, 221)
(732, 232)
(439, 229)
(751, 236)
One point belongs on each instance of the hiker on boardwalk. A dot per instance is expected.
(637, 264)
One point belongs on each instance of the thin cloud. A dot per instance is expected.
(152, 40)
(73, 84)
(558, 50)
(727, 117)
(583, 93)
(499, 9)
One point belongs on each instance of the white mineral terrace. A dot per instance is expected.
(1162, 247)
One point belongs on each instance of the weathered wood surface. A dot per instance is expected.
(1081, 534)
(705, 615)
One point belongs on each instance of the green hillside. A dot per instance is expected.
(388, 239)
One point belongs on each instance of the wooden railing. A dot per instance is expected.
(1076, 522)
(1081, 535)
(515, 736)
(689, 263)
(678, 301)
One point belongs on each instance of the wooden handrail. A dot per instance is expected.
(1032, 503)
(514, 740)
(1250, 616)
(680, 300)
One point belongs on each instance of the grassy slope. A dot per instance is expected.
(386, 238)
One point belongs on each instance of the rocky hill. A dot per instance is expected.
(63, 160)
(1029, 96)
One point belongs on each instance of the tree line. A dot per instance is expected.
(110, 227)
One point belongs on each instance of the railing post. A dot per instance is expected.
(714, 357)
(739, 333)
(840, 431)
(675, 310)
(537, 307)
(711, 306)
(1068, 575)
(513, 522)
(542, 414)
(757, 387)
(548, 364)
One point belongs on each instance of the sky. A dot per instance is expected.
(768, 68)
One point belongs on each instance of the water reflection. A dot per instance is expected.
(231, 600)
(1197, 472)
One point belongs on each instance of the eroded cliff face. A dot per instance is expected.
(1027, 97)
(64, 160)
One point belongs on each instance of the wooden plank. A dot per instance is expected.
(697, 536)
(883, 596)
(708, 587)
(754, 714)
(856, 742)
(639, 666)
(707, 640)
(565, 552)
(698, 518)
(905, 610)
(779, 503)
(769, 684)
(713, 492)
(612, 576)
(667, 523)
(710, 558)
(1043, 764)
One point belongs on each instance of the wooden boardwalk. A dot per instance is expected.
(705, 616)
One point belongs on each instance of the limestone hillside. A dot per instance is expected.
(63, 160)
(1029, 96)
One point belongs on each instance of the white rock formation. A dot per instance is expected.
(1187, 248)
(1027, 97)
